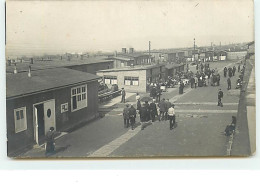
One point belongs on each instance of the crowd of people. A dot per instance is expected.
(162, 111)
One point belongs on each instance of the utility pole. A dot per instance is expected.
(194, 49)
(150, 52)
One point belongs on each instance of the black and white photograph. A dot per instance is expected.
(130, 79)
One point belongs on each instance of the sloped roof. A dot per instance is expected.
(44, 80)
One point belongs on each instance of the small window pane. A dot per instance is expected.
(73, 91)
(17, 115)
(78, 90)
(21, 114)
(79, 97)
(83, 96)
(84, 89)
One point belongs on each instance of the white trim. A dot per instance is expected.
(86, 98)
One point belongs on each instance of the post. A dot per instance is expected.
(150, 52)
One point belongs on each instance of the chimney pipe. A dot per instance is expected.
(131, 50)
(29, 72)
(123, 50)
(115, 54)
(15, 69)
(31, 60)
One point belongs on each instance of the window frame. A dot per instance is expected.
(110, 78)
(80, 102)
(131, 79)
(16, 121)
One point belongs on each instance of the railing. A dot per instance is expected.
(108, 96)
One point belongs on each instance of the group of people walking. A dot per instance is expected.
(162, 111)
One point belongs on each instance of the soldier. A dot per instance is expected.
(153, 110)
(123, 95)
(168, 105)
(126, 116)
(132, 116)
(220, 96)
(229, 83)
(225, 72)
(50, 145)
(162, 107)
(234, 70)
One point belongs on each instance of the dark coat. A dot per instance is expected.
(220, 94)
(126, 113)
(162, 106)
(138, 105)
(153, 108)
(132, 112)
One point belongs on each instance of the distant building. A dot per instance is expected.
(131, 59)
(58, 97)
(88, 64)
(172, 69)
(134, 79)
(236, 55)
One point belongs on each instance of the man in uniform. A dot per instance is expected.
(126, 116)
(229, 83)
(162, 107)
(153, 110)
(123, 95)
(220, 96)
(168, 105)
(132, 116)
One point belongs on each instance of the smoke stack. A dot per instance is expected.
(115, 54)
(31, 60)
(29, 72)
(15, 69)
(131, 50)
(123, 50)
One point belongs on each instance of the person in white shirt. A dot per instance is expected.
(171, 115)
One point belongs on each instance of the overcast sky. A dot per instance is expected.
(68, 26)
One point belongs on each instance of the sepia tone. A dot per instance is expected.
(130, 79)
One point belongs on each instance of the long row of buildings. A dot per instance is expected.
(63, 91)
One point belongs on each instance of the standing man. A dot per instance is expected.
(230, 73)
(162, 107)
(123, 93)
(229, 83)
(196, 81)
(142, 116)
(181, 88)
(171, 114)
(220, 96)
(192, 81)
(218, 79)
(158, 93)
(234, 70)
(168, 105)
(126, 116)
(50, 145)
(153, 110)
(238, 68)
(147, 107)
(225, 72)
(132, 116)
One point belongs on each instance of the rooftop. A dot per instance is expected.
(128, 68)
(132, 55)
(170, 66)
(55, 63)
(44, 80)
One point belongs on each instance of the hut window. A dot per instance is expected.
(20, 119)
(79, 97)
(131, 80)
(110, 79)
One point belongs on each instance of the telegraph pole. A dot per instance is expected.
(150, 52)
(194, 49)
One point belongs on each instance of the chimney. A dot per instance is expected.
(29, 72)
(131, 50)
(115, 54)
(31, 60)
(15, 69)
(123, 50)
